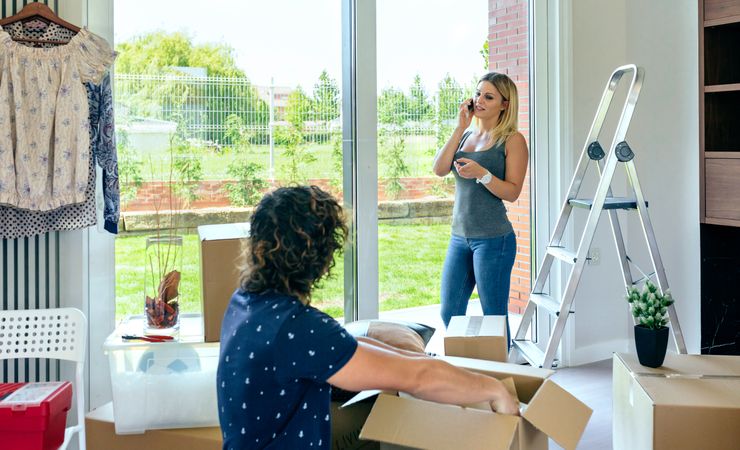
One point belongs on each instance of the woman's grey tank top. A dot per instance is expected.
(478, 213)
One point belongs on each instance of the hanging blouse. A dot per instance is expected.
(15, 223)
(44, 120)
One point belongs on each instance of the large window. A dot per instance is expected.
(418, 102)
(213, 109)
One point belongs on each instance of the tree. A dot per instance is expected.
(393, 111)
(326, 98)
(296, 154)
(129, 167)
(160, 53)
(298, 109)
(484, 52)
(449, 96)
(393, 106)
(248, 186)
(419, 106)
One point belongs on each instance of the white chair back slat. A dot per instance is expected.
(44, 333)
(59, 333)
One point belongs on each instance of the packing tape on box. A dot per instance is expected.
(474, 325)
(688, 376)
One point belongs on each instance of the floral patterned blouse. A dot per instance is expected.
(44, 119)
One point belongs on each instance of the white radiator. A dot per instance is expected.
(29, 273)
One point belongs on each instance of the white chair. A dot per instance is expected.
(49, 333)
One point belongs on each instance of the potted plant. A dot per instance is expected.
(650, 309)
(162, 274)
(164, 251)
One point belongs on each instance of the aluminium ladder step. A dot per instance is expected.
(547, 302)
(530, 352)
(609, 203)
(562, 254)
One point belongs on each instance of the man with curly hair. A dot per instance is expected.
(279, 355)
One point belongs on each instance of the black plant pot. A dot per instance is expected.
(651, 345)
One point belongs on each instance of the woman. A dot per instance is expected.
(279, 355)
(489, 164)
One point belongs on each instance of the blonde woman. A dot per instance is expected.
(489, 164)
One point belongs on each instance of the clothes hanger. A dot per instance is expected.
(37, 10)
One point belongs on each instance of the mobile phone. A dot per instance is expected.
(470, 106)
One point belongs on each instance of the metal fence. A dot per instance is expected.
(217, 113)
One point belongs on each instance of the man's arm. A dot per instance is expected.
(372, 367)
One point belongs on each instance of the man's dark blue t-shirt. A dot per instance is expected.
(276, 355)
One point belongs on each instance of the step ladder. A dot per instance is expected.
(619, 151)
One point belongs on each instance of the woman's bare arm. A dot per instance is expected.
(445, 155)
(517, 157)
(372, 367)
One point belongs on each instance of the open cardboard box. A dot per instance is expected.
(550, 412)
(691, 402)
(346, 424)
(480, 337)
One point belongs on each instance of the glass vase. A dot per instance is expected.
(162, 274)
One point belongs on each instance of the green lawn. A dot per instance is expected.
(410, 257)
(419, 157)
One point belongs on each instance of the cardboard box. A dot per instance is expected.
(346, 424)
(691, 402)
(479, 337)
(101, 435)
(550, 412)
(221, 248)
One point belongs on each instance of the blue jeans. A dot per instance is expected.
(485, 263)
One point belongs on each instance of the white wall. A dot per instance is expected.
(662, 38)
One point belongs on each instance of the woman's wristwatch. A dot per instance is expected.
(485, 179)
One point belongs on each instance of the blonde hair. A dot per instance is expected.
(508, 122)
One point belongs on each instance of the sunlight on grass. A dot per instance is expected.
(410, 258)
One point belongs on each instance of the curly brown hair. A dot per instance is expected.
(294, 233)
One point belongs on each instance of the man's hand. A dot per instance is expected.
(507, 404)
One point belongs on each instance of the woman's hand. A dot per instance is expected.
(465, 115)
(467, 168)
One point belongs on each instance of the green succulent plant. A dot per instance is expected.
(650, 306)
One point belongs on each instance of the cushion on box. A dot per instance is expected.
(398, 333)
(408, 336)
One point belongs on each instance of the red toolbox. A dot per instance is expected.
(33, 415)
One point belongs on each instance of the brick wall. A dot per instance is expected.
(155, 194)
(508, 31)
